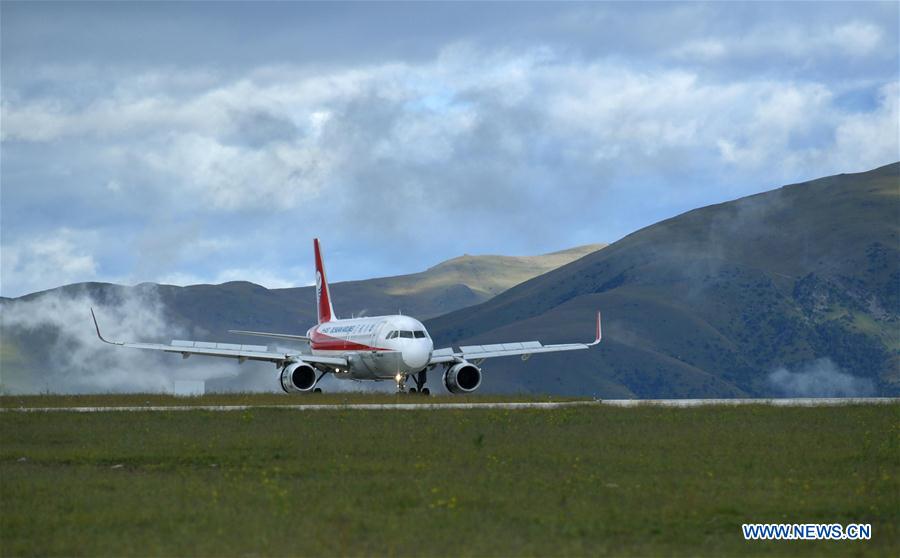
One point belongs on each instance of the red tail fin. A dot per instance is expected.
(323, 296)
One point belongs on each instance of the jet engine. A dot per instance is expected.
(298, 376)
(463, 377)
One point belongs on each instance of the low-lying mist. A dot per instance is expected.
(819, 378)
(49, 345)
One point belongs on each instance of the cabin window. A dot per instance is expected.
(419, 334)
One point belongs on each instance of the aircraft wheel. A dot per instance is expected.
(412, 390)
(317, 390)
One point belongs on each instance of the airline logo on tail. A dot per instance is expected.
(323, 298)
(319, 290)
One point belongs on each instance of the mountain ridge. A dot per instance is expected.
(742, 276)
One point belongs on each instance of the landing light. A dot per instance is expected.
(398, 377)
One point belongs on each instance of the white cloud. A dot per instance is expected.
(48, 261)
(296, 277)
(857, 38)
(233, 177)
(763, 40)
(182, 279)
(472, 138)
(431, 108)
(701, 49)
(777, 114)
(268, 279)
(819, 378)
(864, 140)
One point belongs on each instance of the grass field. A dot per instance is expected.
(574, 481)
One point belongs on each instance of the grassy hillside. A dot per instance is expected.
(713, 302)
(578, 481)
(486, 275)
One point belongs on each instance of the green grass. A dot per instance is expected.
(574, 481)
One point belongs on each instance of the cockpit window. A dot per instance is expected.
(418, 334)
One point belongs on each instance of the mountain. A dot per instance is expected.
(57, 320)
(795, 291)
(447, 286)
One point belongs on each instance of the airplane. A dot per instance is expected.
(374, 348)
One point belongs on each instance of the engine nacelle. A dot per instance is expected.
(464, 377)
(298, 377)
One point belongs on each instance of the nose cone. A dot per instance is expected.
(417, 354)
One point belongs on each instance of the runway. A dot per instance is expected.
(779, 402)
(791, 402)
(334, 407)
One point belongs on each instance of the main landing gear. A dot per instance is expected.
(316, 388)
(419, 378)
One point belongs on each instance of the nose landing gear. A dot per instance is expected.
(401, 382)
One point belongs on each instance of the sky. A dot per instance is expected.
(200, 143)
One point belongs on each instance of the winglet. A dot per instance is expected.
(599, 332)
(97, 327)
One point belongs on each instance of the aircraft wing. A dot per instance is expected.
(287, 336)
(525, 349)
(227, 350)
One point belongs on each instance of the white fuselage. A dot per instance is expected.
(379, 347)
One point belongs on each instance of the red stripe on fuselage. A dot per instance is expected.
(321, 342)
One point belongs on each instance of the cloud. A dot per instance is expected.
(234, 178)
(518, 143)
(48, 261)
(851, 40)
(863, 140)
(271, 280)
(701, 49)
(264, 140)
(819, 378)
(856, 37)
